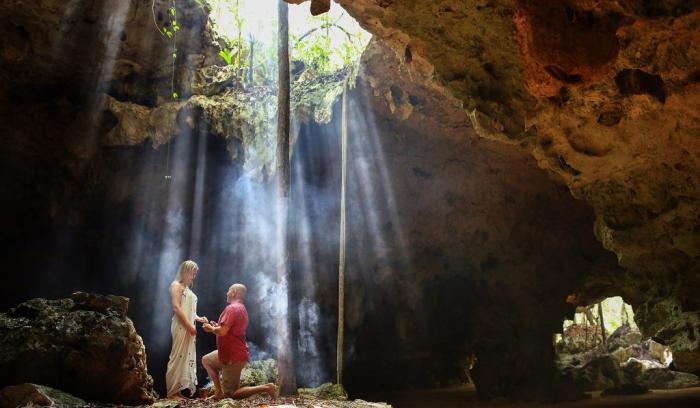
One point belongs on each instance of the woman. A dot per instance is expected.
(182, 370)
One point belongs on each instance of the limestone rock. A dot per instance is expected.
(658, 352)
(36, 395)
(634, 368)
(213, 80)
(240, 117)
(600, 373)
(663, 378)
(623, 337)
(652, 374)
(85, 345)
(683, 337)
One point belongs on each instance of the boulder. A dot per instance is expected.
(600, 373)
(85, 345)
(624, 336)
(634, 368)
(623, 354)
(658, 351)
(36, 395)
(663, 378)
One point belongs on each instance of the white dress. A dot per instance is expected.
(182, 367)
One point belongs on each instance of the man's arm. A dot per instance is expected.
(217, 329)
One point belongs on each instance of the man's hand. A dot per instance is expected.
(208, 327)
(202, 319)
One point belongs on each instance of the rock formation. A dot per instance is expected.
(85, 345)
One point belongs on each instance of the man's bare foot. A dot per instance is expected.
(273, 390)
(215, 396)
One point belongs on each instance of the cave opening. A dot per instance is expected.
(603, 349)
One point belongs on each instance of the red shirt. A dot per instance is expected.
(233, 347)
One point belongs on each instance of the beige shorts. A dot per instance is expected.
(229, 373)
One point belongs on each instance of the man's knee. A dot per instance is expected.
(211, 360)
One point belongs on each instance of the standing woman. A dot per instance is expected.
(182, 369)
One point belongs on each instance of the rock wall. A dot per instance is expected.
(603, 95)
(458, 246)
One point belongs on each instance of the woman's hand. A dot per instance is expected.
(207, 327)
(202, 319)
(192, 330)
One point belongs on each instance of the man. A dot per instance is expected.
(231, 353)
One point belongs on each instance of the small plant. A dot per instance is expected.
(227, 55)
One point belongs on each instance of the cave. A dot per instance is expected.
(468, 203)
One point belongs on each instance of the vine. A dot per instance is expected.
(169, 31)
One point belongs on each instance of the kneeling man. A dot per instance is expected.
(231, 353)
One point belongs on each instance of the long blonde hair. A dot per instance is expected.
(187, 266)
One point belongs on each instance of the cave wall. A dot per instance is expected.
(604, 95)
(457, 246)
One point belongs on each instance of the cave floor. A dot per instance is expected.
(465, 396)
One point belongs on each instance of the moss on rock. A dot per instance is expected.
(259, 373)
(326, 391)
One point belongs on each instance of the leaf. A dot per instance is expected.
(175, 95)
(169, 34)
(172, 11)
(226, 56)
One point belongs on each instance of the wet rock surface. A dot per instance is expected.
(85, 345)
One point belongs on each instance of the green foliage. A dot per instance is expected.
(227, 56)
(326, 43)
(319, 53)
